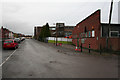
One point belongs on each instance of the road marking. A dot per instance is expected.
(9, 57)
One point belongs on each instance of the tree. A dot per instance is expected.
(45, 32)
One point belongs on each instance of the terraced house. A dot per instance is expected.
(6, 33)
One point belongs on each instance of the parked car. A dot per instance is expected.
(10, 43)
(17, 40)
(22, 38)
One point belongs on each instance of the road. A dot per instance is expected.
(34, 59)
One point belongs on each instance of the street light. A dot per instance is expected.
(110, 15)
(56, 34)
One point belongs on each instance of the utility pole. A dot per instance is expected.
(55, 42)
(109, 23)
(110, 15)
(56, 35)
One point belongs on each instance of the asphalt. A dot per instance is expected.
(35, 59)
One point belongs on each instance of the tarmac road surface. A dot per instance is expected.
(34, 59)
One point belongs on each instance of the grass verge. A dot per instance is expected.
(63, 42)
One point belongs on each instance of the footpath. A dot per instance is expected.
(70, 49)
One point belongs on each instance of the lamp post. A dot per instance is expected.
(109, 24)
(56, 35)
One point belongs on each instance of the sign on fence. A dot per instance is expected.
(82, 40)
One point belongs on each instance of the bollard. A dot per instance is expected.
(76, 48)
(89, 48)
(81, 47)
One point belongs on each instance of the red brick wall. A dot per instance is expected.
(5, 33)
(38, 30)
(92, 21)
(113, 43)
(103, 43)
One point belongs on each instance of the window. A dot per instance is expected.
(89, 34)
(15, 41)
(93, 33)
(52, 28)
(70, 27)
(114, 33)
(8, 42)
(66, 27)
(81, 35)
(86, 35)
(70, 33)
(85, 30)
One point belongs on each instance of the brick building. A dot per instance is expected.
(68, 30)
(92, 31)
(6, 34)
(37, 30)
(62, 30)
(53, 31)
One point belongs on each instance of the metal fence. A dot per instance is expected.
(60, 39)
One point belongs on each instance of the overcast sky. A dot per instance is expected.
(22, 15)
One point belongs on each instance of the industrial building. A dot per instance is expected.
(91, 32)
(60, 28)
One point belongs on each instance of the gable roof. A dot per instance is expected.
(89, 16)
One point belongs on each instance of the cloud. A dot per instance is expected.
(60, 1)
(23, 16)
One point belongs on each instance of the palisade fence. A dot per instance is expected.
(60, 39)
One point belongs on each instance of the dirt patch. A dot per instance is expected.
(52, 62)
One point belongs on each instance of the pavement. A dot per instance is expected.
(34, 59)
(0, 58)
(69, 47)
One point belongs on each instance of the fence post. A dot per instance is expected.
(89, 48)
(81, 47)
(54, 40)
